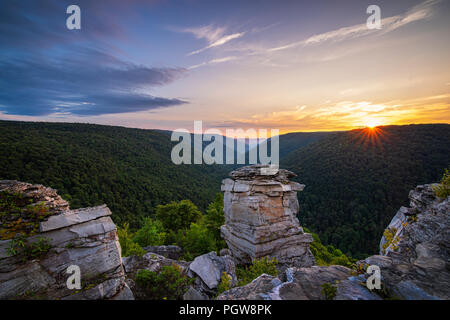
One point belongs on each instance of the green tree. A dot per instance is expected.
(151, 234)
(215, 218)
(328, 255)
(128, 246)
(197, 240)
(178, 215)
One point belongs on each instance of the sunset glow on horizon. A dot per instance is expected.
(293, 66)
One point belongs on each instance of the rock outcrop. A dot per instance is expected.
(149, 261)
(206, 270)
(260, 217)
(414, 262)
(86, 238)
(302, 284)
(415, 248)
(170, 251)
(209, 267)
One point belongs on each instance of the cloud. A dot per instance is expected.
(346, 115)
(416, 13)
(214, 35)
(213, 61)
(89, 82)
(219, 42)
(46, 69)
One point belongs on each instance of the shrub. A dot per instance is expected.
(225, 283)
(169, 284)
(257, 268)
(329, 291)
(196, 241)
(443, 190)
(328, 255)
(178, 215)
(151, 234)
(29, 250)
(128, 246)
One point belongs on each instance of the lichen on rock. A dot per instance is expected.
(86, 238)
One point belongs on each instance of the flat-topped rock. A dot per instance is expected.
(86, 238)
(73, 217)
(262, 172)
(260, 217)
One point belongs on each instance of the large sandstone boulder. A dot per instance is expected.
(209, 267)
(260, 217)
(86, 238)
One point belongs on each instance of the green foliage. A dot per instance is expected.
(258, 267)
(178, 215)
(169, 284)
(151, 234)
(128, 169)
(357, 180)
(197, 240)
(329, 291)
(128, 246)
(29, 250)
(215, 218)
(328, 255)
(225, 283)
(443, 190)
(20, 216)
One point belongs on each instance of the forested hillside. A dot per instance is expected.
(357, 180)
(128, 169)
(290, 142)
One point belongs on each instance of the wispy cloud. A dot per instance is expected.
(416, 13)
(213, 61)
(216, 36)
(219, 42)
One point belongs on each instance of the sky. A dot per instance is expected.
(286, 65)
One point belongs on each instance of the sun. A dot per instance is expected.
(372, 123)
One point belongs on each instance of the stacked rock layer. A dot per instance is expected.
(86, 238)
(260, 217)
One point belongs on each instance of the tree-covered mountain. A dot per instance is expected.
(128, 169)
(293, 141)
(357, 180)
